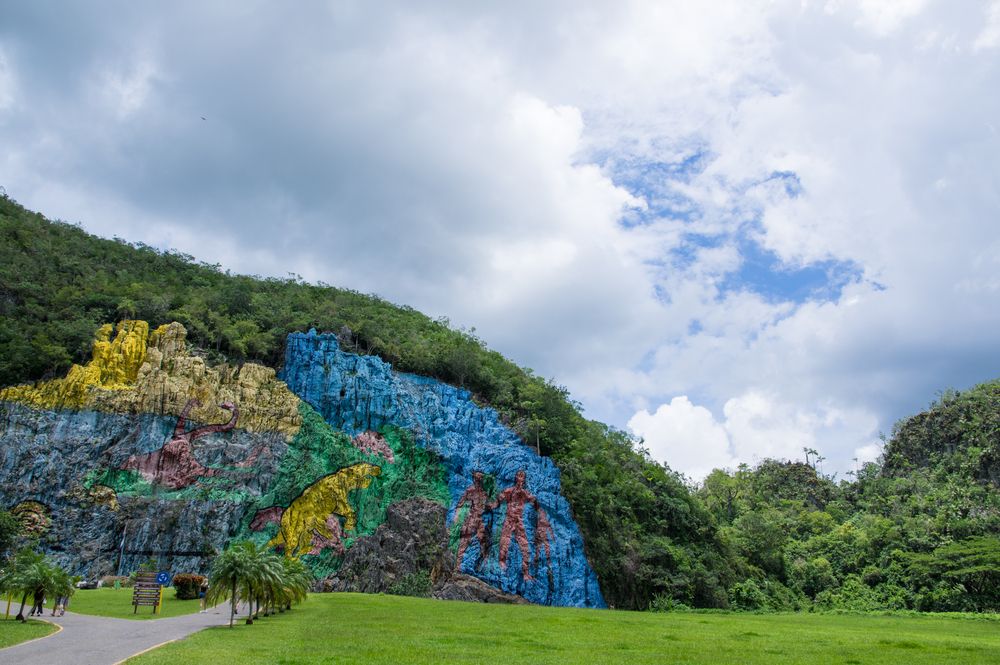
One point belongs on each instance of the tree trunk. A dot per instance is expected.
(250, 605)
(232, 604)
(20, 612)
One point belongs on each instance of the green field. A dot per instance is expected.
(357, 628)
(108, 602)
(14, 632)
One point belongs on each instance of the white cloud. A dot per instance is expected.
(685, 436)
(990, 36)
(598, 188)
(884, 16)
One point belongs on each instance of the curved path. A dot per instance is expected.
(93, 640)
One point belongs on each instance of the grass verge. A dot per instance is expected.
(358, 628)
(117, 603)
(14, 632)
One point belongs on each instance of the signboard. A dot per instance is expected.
(162, 578)
(147, 591)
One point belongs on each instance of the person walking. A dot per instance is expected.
(37, 608)
(63, 604)
(201, 595)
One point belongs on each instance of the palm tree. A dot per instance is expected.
(225, 578)
(23, 574)
(261, 575)
(245, 570)
(296, 579)
(33, 573)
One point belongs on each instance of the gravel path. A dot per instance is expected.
(90, 640)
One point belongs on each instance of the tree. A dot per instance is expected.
(33, 573)
(227, 572)
(245, 570)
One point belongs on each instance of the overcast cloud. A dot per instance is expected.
(736, 228)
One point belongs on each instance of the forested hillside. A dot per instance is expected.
(915, 531)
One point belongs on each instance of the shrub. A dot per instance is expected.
(414, 584)
(664, 603)
(187, 587)
(747, 596)
(123, 580)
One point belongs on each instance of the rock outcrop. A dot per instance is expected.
(100, 517)
(471, 589)
(361, 393)
(142, 372)
(412, 539)
(368, 475)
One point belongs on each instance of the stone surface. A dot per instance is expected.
(120, 462)
(361, 393)
(65, 461)
(473, 590)
(133, 375)
(413, 538)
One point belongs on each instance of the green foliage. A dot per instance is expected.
(33, 574)
(412, 584)
(187, 587)
(10, 530)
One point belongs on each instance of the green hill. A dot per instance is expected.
(916, 531)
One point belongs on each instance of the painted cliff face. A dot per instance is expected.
(149, 452)
(511, 526)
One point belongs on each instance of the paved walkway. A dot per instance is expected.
(91, 640)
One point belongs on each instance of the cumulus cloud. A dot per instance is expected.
(782, 211)
(685, 436)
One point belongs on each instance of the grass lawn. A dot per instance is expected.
(109, 602)
(358, 628)
(14, 632)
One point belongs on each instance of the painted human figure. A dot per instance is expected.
(473, 524)
(172, 466)
(513, 525)
(543, 531)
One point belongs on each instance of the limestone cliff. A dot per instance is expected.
(142, 372)
(522, 539)
(119, 461)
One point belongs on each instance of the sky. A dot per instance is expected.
(734, 229)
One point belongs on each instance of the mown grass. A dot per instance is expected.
(357, 628)
(117, 603)
(14, 632)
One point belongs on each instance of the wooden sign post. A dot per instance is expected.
(147, 592)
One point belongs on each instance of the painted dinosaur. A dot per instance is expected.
(172, 466)
(308, 513)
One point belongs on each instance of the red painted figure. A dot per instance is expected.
(513, 524)
(172, 466)
(543, 531)
(473, 524)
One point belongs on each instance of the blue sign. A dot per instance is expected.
(162, 577)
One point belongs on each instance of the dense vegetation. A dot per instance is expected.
(917, 530)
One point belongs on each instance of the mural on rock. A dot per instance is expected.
(151, 451)
(172, 466)
(355, 394)
(314, 512)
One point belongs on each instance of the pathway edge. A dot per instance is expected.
(52, 634)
